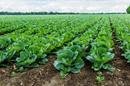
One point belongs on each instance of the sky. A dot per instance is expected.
(83, 6)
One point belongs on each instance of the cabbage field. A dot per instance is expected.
(85, 50)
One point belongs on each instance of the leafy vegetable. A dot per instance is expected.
(69, 60)
(123, 35)
(4, 42)
(102, 52)
(2, 56)
(26, 58)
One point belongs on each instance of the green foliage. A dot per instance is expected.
(14, 49)
(100, 78)
(123, 35)
(127, 55)
(4, 42)
(2, 57)
(69, 60)
(128, 10)
(100, 55)
(26, 58)
(26, 40)
(102, 50)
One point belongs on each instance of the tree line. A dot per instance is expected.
(47, 13)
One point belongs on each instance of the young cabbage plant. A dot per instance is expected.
(26, 58)
(101, 61)
(14, 49)
(69, 60)
(100, 54)
(4, 42)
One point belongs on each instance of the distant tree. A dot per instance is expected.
(128, 10)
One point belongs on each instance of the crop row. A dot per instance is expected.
(70, 58)
(123, 35)
(40, 25)
(26, 49)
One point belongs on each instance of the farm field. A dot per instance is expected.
(65, 50)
